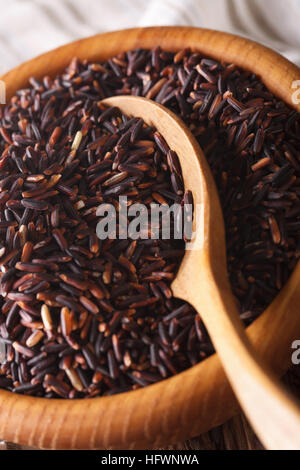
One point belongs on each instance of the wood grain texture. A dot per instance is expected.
(199, 398)
(235, 434)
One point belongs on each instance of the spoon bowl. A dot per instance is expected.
(202, 281)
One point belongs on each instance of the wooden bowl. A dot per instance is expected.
(200, 398)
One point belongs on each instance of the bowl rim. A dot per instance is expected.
(204, 41)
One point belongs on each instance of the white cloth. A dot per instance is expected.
(30, 27)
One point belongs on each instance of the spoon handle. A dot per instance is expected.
(272, 411)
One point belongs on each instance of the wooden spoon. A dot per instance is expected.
(202, 280)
